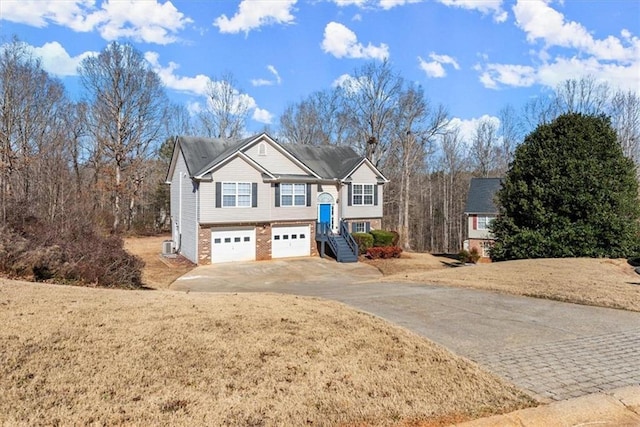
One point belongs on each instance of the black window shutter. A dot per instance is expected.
(375, 195)
(350, 195)
(367, 227)
(254, 194)
(277, 186)
(218, 194)
(308, 194)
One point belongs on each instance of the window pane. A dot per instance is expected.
(368, 200)
(300, 200)
(236, 240)
(285, 237)
(228, 188)
(357, 200)
(247, 239)
(368, 189)
(228, 200)
(357, 189)
(286, 200)
(244, 188)
(217, 240)
(244, 200)
(227, 239)
(286, 189)
(301, 189)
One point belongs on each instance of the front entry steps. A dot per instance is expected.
(341, 244)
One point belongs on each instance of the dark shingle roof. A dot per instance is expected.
(482, 192)
(202, 153)
(327, 161)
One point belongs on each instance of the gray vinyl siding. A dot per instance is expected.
(362, 175)
(237, 170)
(287, 213)
(274, 161)
(185, 234)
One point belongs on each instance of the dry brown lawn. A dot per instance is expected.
(77, 356)
(158, 272)
(600, 282)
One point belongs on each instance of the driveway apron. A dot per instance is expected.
(552, 349)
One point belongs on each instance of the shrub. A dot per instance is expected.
(364, 241)
(469, 257)
(384, 252)
(382, 238)
(41, 251)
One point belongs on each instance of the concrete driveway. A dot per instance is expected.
(555, 350)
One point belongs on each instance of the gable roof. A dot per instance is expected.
(481, 196)
(328, 161)
(199, 152)
(322, 162)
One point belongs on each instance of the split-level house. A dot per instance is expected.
(480, 211)
(258, 199)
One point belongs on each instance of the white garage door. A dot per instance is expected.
(290, 241)
(233, 245)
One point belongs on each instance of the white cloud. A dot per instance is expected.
(390, 4)
(340, 42)
(57, 61)
(147, 21)
(253, 14)
(550, 74)
(194, 85)
(262, 116)
(612, 60)
(343, 3)
(73, 14)
(486, 7)
(467, 127)
(541, 22)
(434, 68)
(268, 82)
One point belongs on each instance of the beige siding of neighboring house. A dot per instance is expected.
(273, 160)
(236, 170)
(363, 175)
(474, 233)
(184, 222)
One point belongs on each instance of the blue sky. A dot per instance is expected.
(473, 56)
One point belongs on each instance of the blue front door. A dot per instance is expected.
(325, 214)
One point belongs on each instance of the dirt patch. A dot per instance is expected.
(158, 272)
(599, 282)
(95, 356)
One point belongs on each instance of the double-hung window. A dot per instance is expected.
(236, 194)
(362, 194)
(484, 222)
(293, 194)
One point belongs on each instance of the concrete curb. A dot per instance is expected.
(619, 407)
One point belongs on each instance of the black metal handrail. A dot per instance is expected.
(344, 230)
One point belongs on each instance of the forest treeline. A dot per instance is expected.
(100, 161)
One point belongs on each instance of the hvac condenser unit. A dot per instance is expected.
(167, 247)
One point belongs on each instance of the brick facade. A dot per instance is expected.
(483, 246)
(204, 245)
(263, 240)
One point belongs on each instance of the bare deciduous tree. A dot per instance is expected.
(126, 105)
(227, 109)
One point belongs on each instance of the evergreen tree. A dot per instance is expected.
(570, 192)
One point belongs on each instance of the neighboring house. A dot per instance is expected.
(481, 210)
(257, 199)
